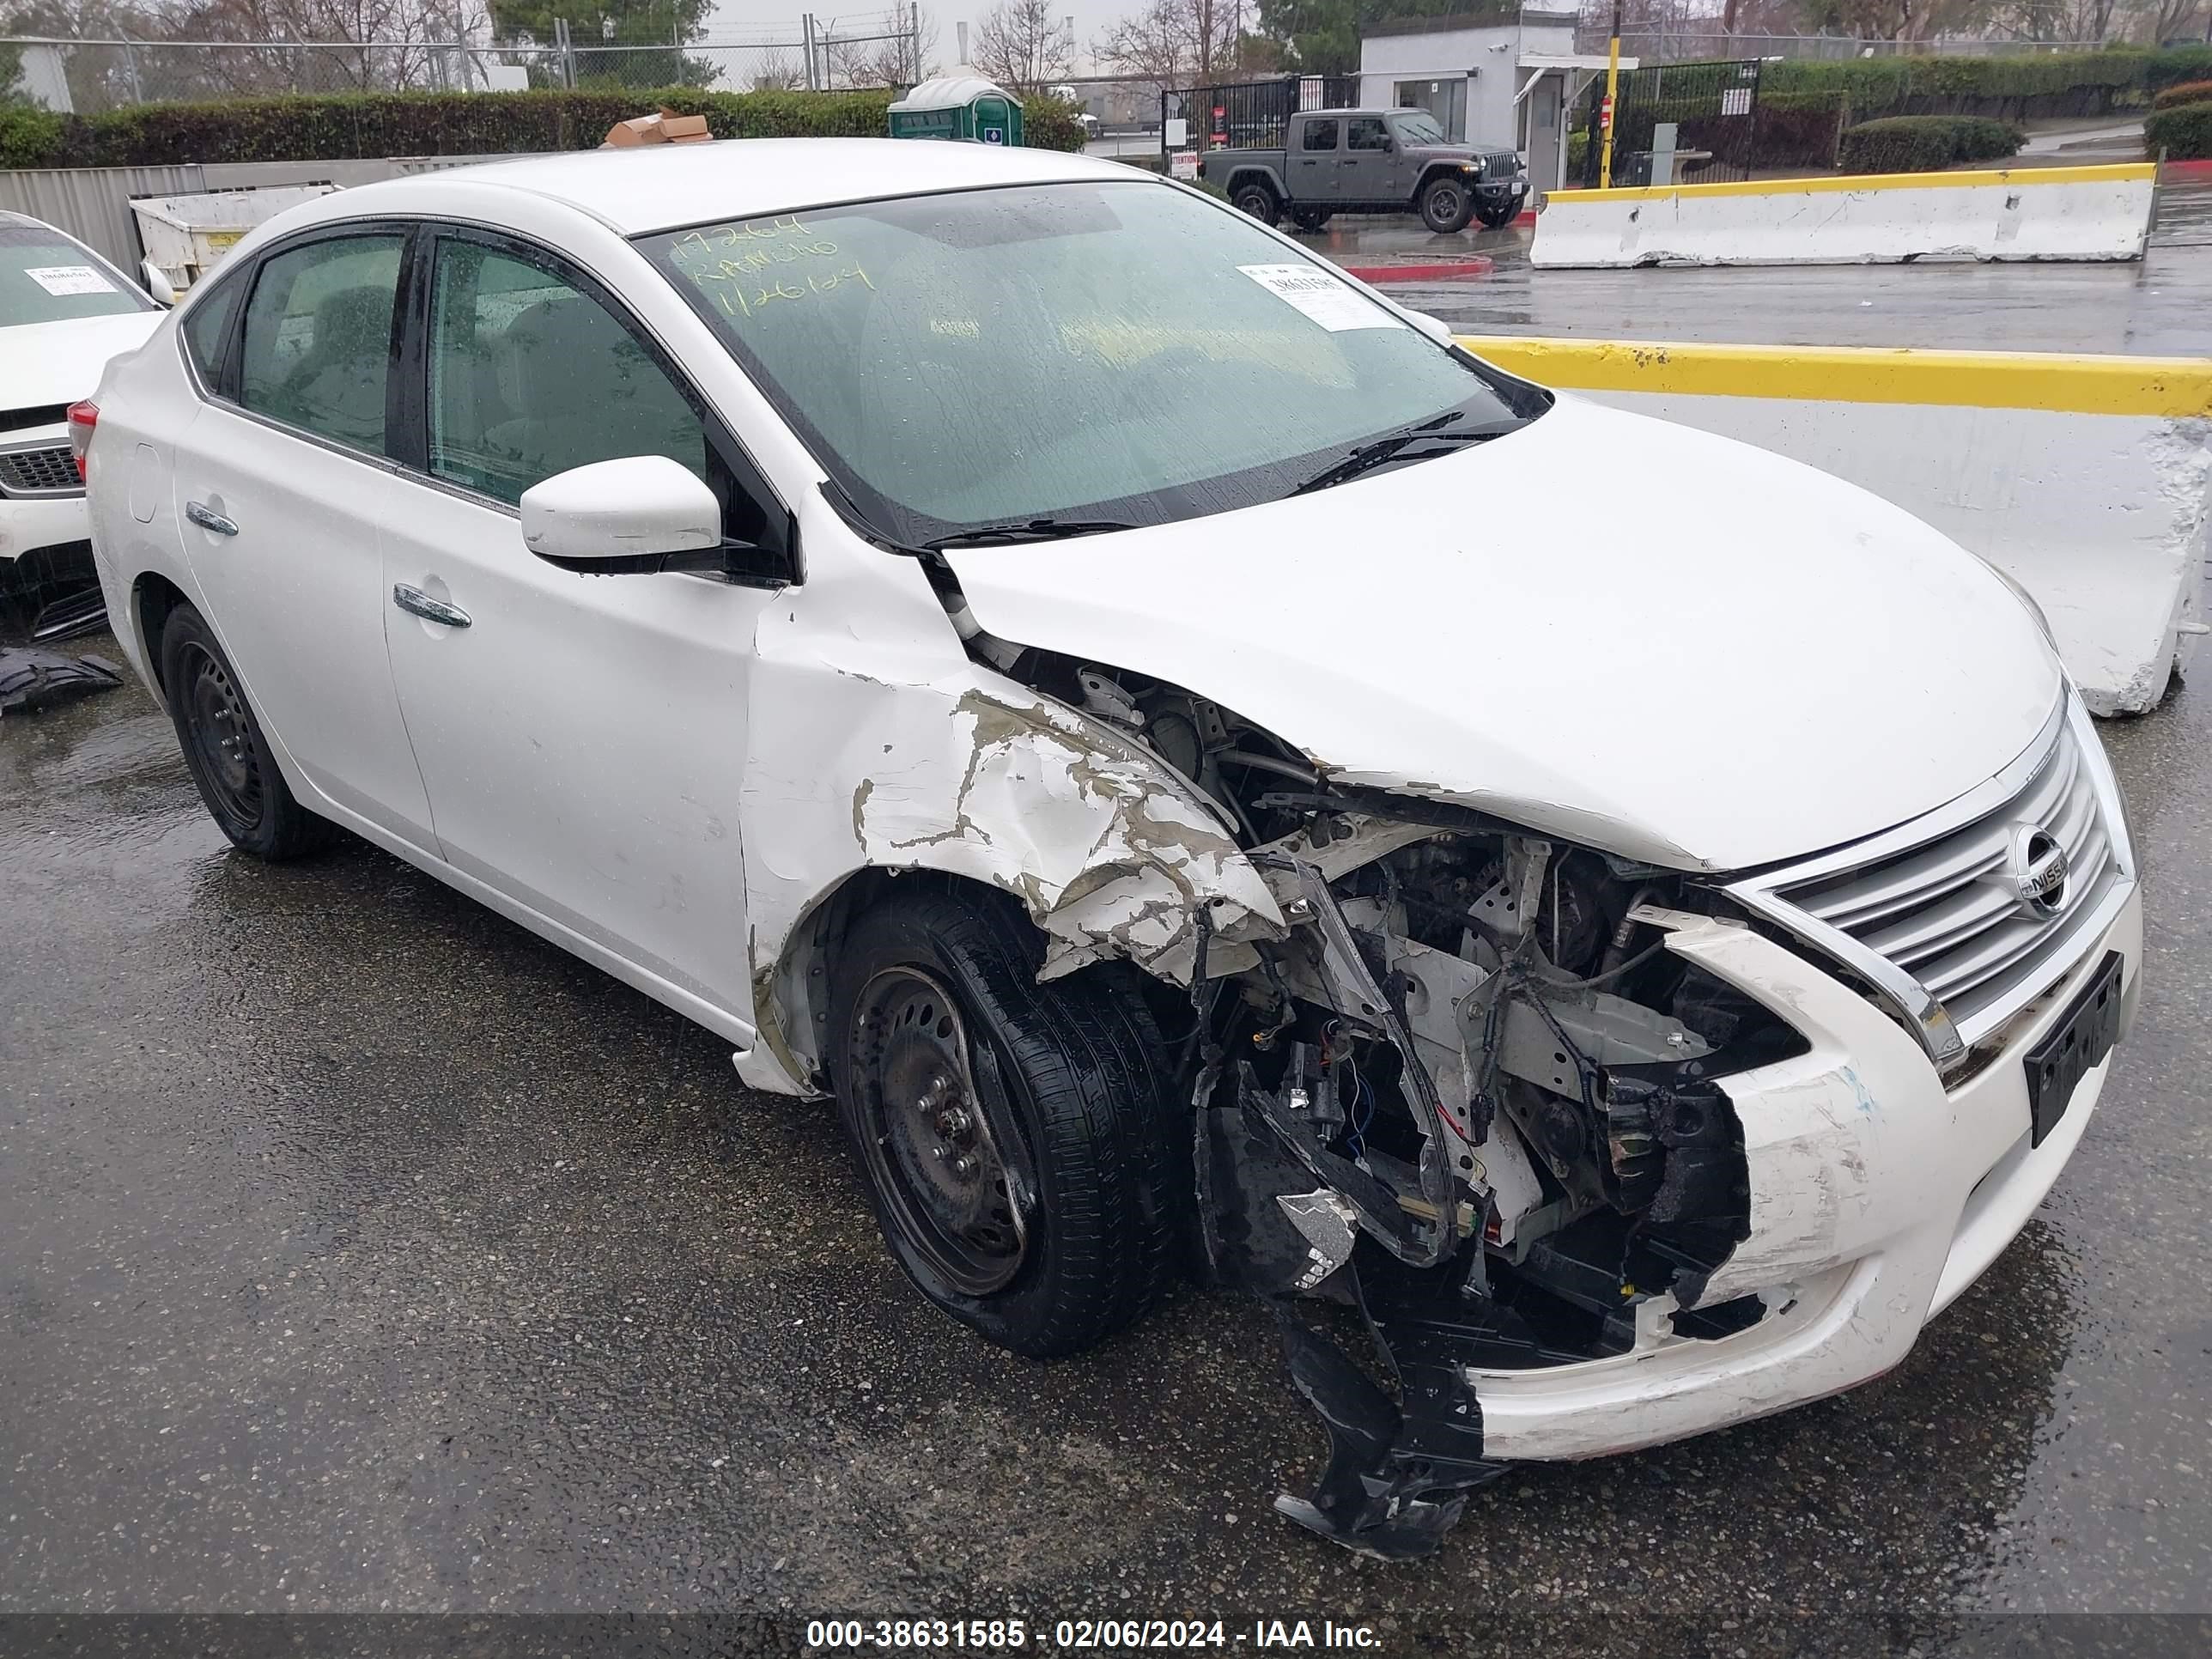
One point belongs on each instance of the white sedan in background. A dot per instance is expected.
(64, 311)
(1011, 644)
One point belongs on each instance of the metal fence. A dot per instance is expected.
(1248, 114)
(1713, 108)
(91, 77)
(1666, 46)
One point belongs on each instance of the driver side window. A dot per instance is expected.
(1368, 132)
(316, 348)
(529, 376)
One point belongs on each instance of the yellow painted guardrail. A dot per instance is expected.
(2075, 384)
(2115, 173)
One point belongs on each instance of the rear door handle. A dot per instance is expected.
(208, 519)
(421, 604)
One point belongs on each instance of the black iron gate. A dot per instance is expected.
(1248, 114)
(1713, 108)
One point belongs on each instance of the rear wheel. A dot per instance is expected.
(224, 749)
(1014, 1137)
(1446, 206)
(1259, 201)
(1310, 218)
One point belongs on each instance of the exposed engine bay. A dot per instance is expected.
(1470, 1097)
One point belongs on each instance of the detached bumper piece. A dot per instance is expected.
(1399, 1471)
(31, 680)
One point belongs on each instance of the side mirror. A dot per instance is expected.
(1435, 327)
(158, 285)
(631, 517)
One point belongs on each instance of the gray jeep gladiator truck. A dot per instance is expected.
(1369, 160)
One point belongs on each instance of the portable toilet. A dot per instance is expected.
(965, 107)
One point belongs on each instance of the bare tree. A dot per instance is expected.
(777, 71)
(2154, 21)
(1177, 43)
(899, 57)
(1023, 45)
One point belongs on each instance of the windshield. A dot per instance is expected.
(1125, 352)
(46, 278)
(1418, 127)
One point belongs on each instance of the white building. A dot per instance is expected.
(1502, 75)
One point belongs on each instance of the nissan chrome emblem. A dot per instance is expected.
(2037, 866)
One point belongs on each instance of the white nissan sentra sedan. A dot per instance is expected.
(1024, 651)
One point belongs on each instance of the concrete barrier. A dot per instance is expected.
(2019, 213)
(2088, 480)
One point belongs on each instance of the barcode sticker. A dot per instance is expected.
(1336, 306)
(69, 279)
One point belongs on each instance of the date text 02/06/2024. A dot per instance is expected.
(1082, 1635)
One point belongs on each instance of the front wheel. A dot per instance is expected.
(224, 749)
(1257, 200)
(1446, 206)
(1014, 1138)
(1497, 218)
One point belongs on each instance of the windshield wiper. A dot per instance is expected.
(1028, 530)
(1369, 456)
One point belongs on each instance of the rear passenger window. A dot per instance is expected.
(206, 329)
(316, 348)
(1321, 135)
(529, 376)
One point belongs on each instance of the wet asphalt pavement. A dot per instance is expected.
(360, 1253)
(2161, 306)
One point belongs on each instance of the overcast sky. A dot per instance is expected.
(756, 18)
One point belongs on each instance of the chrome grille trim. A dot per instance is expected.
(1925, 914)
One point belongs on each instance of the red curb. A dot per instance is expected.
(1527, 218)
(1476, 267)
(2188, 170)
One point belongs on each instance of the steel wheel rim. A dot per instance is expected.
(928, 1138)
(222, 736)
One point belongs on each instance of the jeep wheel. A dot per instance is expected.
(1446, 206)
(1310, 218)
(1499, 217)
(1017, 1141)
(1259, 201)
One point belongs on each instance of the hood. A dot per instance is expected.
(1665, 644)
(43, 363)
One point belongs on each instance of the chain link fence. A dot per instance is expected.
(93, 77)
(1665, 46)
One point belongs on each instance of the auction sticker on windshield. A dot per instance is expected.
(1321, 296)
(69, 279)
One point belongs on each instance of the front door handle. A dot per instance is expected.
(437, 611)
(208, 519)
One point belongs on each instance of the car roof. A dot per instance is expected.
(665, 186)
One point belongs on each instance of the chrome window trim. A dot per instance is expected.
(1946, 1041)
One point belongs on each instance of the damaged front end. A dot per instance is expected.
(1467, 1097)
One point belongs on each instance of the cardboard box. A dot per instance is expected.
(665, 127)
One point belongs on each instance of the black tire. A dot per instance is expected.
(1258, 200)
(1310, 219)
(225, 750)
(1497, 218)
(1446, 206)
(1060, 1092)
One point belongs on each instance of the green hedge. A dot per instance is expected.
(2184, 134)
(350, 125)
(2018, 87)
(1926, 144)
(2189, 92)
